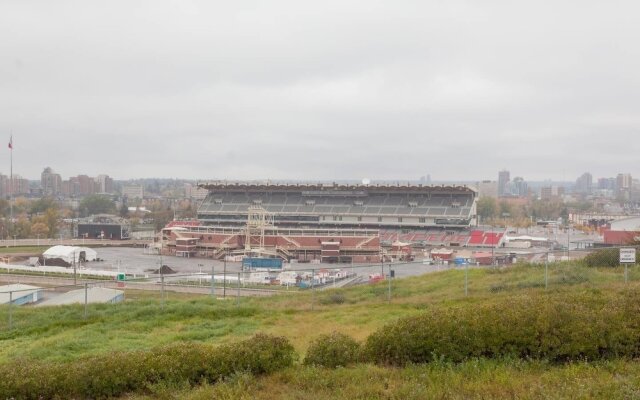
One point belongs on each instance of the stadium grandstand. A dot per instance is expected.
(355, 206)
(321, 223)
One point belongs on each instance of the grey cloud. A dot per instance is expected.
(324, 90)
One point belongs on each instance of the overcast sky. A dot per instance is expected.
(321, 89)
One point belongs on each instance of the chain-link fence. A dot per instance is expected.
(314, 284)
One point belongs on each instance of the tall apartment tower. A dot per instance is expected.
(584, 184)
(51, 182)
(503, 178)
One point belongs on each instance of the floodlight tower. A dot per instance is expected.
(258, 219)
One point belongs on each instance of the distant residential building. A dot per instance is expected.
(19, 186)
(584, 184)
(551, 192)
(519, 188)
(488, 189)
(194, 192)
(51, 182)
(624, 184)
(133, 191)
(503, 179)
(607, 184)
(104, 183)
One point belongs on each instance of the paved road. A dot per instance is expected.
(65, 283)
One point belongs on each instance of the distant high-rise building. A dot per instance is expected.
(519, 187)
(503, 178)
(624, 181)
(20, 185)
(50, 182)
(624, 184)
(105, 184)
(607, 183)
(87, 185)
(584, 184)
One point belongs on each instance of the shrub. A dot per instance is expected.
(111, 375)
(334, 298)
(543, 327)
(334, 350)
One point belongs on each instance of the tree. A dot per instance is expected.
(124, 209)
(22, 228)
(96, 204)
(41, 205)
(487, 208)
(51, 219)
(39, 229)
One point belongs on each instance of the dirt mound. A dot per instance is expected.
(164, 270)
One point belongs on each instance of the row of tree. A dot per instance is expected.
(44, 218)
(500, 211)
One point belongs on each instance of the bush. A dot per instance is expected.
(334, 350)
(334, 298)
(111, 375)
(557, 328)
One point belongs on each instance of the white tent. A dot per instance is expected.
(69, 253)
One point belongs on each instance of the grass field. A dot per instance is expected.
(23, 250)
(61, 334)
(475, 379)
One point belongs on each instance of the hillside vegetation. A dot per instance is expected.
(509, 330)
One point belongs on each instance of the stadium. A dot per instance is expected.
(327, 222)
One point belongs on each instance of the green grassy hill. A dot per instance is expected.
(60, 334)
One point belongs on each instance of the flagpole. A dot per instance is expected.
(11, 181)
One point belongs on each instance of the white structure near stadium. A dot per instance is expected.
(71, 254)
(92, 295)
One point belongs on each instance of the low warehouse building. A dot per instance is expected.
(93, 295)
(20, 294)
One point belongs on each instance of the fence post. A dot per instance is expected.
(238, 296)
(224, 278)
(389, 294)
(86, 287)
(10, 310)
(162, 292)
(212, 282)
(313, 288)
(546, 272)
(466, 279)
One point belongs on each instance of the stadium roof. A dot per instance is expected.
(335, 186)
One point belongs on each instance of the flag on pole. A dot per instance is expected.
(11, 142)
